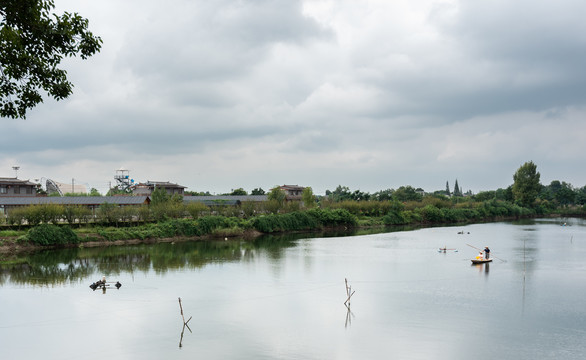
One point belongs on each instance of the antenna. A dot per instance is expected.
(16, 168)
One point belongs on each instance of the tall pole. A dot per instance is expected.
(15, 168)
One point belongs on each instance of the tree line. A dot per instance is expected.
(403, 206)
(525, 191)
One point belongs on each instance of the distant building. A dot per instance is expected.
(146, 189)
(16, 187)
(226, 200)
(55, 187)
(292, 192)
(92, 202)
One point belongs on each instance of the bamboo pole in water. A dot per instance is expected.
(349, 292)
(181, 308)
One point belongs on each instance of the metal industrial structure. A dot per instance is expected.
(123, 180)
(55, 187)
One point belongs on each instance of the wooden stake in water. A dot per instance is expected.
(181, 308)
(349, 316)
(349, 293)
(184, 324)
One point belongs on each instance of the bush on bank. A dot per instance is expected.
(206, 225)
(303, 220)
(49, 234)
(213, 224)
(45, 234)
(465, 212)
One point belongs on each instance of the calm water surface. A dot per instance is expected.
(283, 299)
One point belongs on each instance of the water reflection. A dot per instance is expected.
(52, 267)
(482, 268)
(185, 324)
(349, 316)
(526, 249)
(69, 265)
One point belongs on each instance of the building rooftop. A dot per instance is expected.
(160, 183)
(240, 198)
(5, 180)
(73, 200)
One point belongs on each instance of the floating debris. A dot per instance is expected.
(102, 284)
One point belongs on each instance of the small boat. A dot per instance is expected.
(480, 261)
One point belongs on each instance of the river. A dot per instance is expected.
(283, 297)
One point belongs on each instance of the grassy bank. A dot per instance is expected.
(205, 227)
(339, 215)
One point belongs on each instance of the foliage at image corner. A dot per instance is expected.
(34, 42)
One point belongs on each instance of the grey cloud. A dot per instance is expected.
(486, 57)
(216, 41)
(538, 32)
(259, 89)
(537, 49)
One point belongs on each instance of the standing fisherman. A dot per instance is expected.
(486, 252)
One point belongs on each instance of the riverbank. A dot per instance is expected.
(15, 242)
(46, 236)
(10, 246)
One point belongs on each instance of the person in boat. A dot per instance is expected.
(479, 256)
(486, 252)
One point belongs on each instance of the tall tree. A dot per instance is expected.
(308, 197)
(526, 184)
(159, 196)
(359, 195)
(32, 44)
(581, 196)
(407, 193)
(447, 189)
(566, 194)
(239, 191)
(383, 195)
(257, 191)
(277, 195)
(457, 189)
(340, 194)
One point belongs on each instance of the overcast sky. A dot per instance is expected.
(218, 95)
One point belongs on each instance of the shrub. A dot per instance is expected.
(394, 218)
(143, 213)
(16, 216)
(272, 206)
(196, 209)
(207, 224)
(431, 214)
(303, 220)
(411, 217)
(108, 213)
(48, 234)
(438, 202)
(249, 208)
